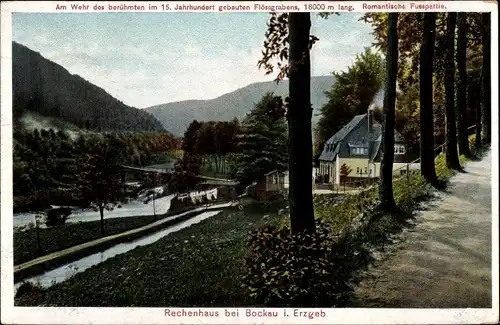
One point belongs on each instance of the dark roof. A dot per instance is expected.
(336, 140)
(274, 172)
(346, 129)
(356, 133)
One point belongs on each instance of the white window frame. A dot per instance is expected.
(399, 149)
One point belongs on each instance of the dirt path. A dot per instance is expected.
(445, 260)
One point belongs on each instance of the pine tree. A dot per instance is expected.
(262, 142)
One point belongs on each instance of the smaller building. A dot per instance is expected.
(272, 185)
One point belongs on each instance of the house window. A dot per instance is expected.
(366, 170)
(399, 150)
(359, 151)
(357, 170)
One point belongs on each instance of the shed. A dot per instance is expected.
(271, 185)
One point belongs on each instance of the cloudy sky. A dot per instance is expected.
(147, 59)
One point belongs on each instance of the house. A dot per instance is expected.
(358, 145)
(271, 185)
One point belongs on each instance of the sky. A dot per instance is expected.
(146, 59)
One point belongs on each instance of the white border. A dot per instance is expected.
(40, 315)
(257, 6)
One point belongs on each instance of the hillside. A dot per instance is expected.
(45, 88)
(176, 116)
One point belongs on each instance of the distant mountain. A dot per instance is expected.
(45, 88)
(176, 116)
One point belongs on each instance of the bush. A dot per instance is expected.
(28, 288)
(266, 206)
(285, 270)
(57, 216)
(472, 140)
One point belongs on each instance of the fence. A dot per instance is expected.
(364, 184)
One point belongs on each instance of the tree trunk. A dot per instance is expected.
(387, 203)
(449, 84)
(101, 211)
(427, 166)
(487, 76)
(463, 136)
(299, 117)
(478, 142)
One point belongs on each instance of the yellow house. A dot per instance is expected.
(354, 152)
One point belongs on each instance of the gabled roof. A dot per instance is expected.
(372, 139)
(274, 172)
(346, 129)
(337, 139)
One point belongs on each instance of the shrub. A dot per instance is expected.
(28, 288)
(285, 270)
(57, 216)
(266, 206)
(472, 141)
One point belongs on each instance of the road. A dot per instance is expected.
(445, 260)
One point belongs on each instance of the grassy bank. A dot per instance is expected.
(204, 265)
(60, 237)
(57, 238)
(197, 266)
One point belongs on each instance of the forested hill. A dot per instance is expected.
(46, 88)
(177, 116)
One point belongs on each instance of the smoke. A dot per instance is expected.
(32, 121)
(378, 100)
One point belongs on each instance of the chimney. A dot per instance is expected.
(370, 119)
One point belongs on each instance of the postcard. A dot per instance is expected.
(249, 162)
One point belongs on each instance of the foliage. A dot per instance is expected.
(407, 117)
(345, 170)
(276, 46)
(213, 141)
(189, 141)
(410, 28)
(100, 168)
(46, 163)
(298, 270)
(268, 206)
(46, 88)
(344, 211)
(186, 173)
(262, 143)
(351, 94)
(29, 288)
(57, 216)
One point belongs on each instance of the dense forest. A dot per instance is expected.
(50, 167)
(46, 88)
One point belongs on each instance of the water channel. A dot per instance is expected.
(66, 271)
